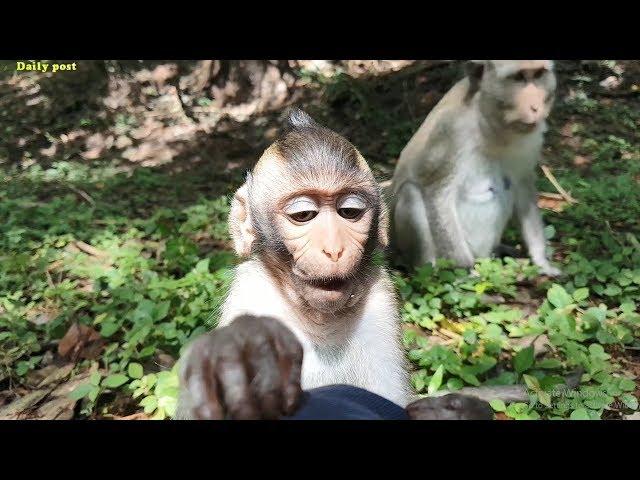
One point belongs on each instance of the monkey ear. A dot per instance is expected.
(474, 70)
(240, 226)
(299, 119)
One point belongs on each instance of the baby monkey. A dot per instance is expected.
(309, 306)
(307, 220)
(471, 165)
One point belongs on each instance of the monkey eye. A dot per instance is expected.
(351, 207)
(518, 77)
(302, 209)
(303, 216)
(539, 73)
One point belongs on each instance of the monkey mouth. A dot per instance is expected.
(328, 284)
(525, 127)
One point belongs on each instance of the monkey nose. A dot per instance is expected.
(334, 253)
(534, 108)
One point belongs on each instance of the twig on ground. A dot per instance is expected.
(449, 333)
(565, 195)
(82, 194)
(49, 279)
(86, 248)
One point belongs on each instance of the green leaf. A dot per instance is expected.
(549, 231)
(532, 382)
(580, 414)
(581, 294)
(436, 380)
(544, 398)
(497, 405)
(627, 385)
(93, 394)
(523, 360)
(559, 297)
(629, 400)
(470, 337)
(612, 290)
(95, 378)
(549, 363)
(108, 328)
(81, 391)
(149, 404)
(115, 380)
(455, 384)
(470, 378)
(135, 370)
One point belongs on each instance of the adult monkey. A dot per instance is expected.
(472, 163)
(309, 307)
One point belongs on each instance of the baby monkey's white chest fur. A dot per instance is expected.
(370, 356)
(488, 187)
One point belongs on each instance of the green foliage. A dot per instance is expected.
(149, 289)
(162, 269)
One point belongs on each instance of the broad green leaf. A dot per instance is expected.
(580, 414)
(612, 290)
(523, 360)
(629, 400)
(149, 404)
(544, 398)
(436, 380)
(497, 405)
(627, 385)
(532, 382)
(115, 380)
(108, 328)
(135, 370)
(549, 363)
(581, 294)
(454, 384)
(81, 391)
(93, 394)
(558, 296)
(95, 378)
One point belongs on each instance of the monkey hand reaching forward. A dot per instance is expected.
(249, 369)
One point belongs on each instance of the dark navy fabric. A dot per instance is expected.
(345, 402)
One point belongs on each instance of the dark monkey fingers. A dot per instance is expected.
(249, 369)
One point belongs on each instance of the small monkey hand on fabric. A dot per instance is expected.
(450, 407)
(250, 369)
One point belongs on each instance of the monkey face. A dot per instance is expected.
(521, 92)
(312, 211)
(326, 236)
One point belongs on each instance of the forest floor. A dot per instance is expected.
(114, 249)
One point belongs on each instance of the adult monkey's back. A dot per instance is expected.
(471, 165)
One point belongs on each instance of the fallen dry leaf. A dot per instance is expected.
(568, 129)
(81, 341)
(581, 160)
(502, 416)
(552, 201)
(611, 82)
(43, 315)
